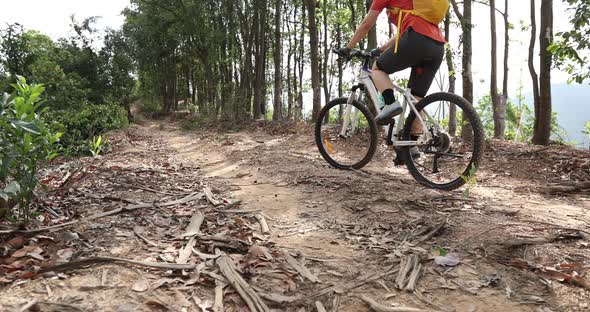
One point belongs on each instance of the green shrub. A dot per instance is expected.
(81, 126)
(25, 142)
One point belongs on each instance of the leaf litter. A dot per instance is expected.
(228, 255)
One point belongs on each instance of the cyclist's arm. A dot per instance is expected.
(363, 28)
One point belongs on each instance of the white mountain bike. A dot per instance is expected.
(441, 140)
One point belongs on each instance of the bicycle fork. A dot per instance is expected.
(348, 115)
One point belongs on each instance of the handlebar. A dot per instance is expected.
(356, 53)
(365, 56)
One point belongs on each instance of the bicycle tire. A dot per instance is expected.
(478, 140)
(372, 128)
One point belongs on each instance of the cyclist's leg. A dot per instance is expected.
(423, 75)
(388, 63)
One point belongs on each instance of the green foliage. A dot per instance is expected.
(80, 126)
(78, 78)
(519, 119)
(470, 180)
(97, 145)
(571, 48)
(26, 141)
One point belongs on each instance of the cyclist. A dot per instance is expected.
(419, 44)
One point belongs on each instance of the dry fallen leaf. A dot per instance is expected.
(23, 251)
(156, 306)
(65, 254)
(141, 285)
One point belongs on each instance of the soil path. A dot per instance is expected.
(337, 218)
(342, 225)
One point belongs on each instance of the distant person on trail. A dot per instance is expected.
(419, 44)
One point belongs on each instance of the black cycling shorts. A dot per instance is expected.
(423, 54)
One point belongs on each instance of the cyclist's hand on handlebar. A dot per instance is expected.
(343, 52)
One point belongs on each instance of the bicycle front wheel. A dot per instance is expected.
(346, 134)
(451, 157)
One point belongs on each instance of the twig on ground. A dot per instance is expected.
(381, 308)
(465, 288)
(300, 268)
(348, 286)
(112, 198)
(62, 305)
(144, 239)
(238, 211)
(414, 275)
(209, 196)
(427, 301)
(229, 206)
(218, 305)
(276, 298)
(263, 225)
(570, 187)
(430, 234)
(185, 253)
(28, 305)
(204, 256)
(145, 189)
(336, 303)
(320, 307)
(252, 299)
(189, 198)
(194, 227)
(533, 152)
(407, 277)
(73, 265)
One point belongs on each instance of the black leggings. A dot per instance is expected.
(424, 55)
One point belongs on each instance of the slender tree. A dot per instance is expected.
(452, 78)
(315, 69)
(466, 73)
(531, 58)
(499, 111)
(542, 127)
(277, 106)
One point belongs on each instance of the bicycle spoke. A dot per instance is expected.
(345, 135)
(445, 157)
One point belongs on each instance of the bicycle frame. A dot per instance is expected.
(365, 82)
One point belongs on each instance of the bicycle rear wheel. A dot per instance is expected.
(346, 134)
(454, 153)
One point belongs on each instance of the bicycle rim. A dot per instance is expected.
(451, 158)
(346, 134)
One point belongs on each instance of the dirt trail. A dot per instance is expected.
(342, 224)
(313, 208)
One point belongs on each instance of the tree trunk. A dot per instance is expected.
(326, 52)
(277, 106)
(467, 74)
(340, 62)
(506, 51)
(499, 112)
(258, 38)
(451, 68)
(289, 56)
(531, 60)
(315, 74)
(373, 32)
(542, 128)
